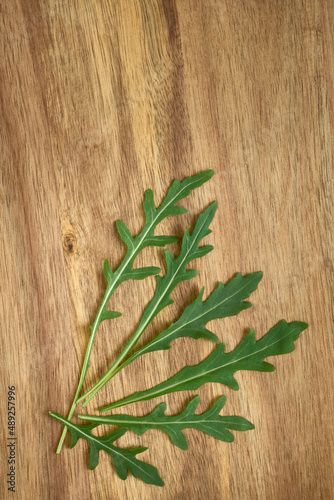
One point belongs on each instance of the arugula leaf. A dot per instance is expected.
(124, 459)
(209, 422)
(226, 300)
(178, 191)
(176, 273)
(221, 366)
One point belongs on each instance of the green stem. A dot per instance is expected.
(70, 415)
(85, 366)
(102, 382)
(129, 346)
(115, 368)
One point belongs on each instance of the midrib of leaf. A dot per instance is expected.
(162, 391)
(112, 371)
(107, 296)
(115, 421)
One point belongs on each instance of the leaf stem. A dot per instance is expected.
(85, 366)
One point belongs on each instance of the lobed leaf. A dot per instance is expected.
(209, 422)
(220, 366)
(146, 238)
(125, 234)
(154, 216)
(226, 300)
(124, 459)
(178, 191)
(142, 273)
(177, 266)
(176, 273)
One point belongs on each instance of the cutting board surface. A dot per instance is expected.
(101, 100)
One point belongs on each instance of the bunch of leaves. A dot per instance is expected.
(226, 300)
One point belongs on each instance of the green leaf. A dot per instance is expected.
(178, 191)
(142, 273)
(146, 238)
(226, 300)
(220, 366)
(154, 216)
(177, 267)
(124, 459)
(176, 273)
(209, 422)
(110, 315)
(108, 271)
(161, 241)
(125, 234)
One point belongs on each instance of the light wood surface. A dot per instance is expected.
(101, 100)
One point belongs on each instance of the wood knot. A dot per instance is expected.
(69, 242)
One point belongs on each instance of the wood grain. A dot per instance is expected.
(102, 100)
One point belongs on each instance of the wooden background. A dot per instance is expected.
(101, 100)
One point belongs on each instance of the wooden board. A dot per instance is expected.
(101, 100)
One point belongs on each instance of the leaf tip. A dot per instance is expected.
(303, 325)
(209, 173)
(196, 400)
